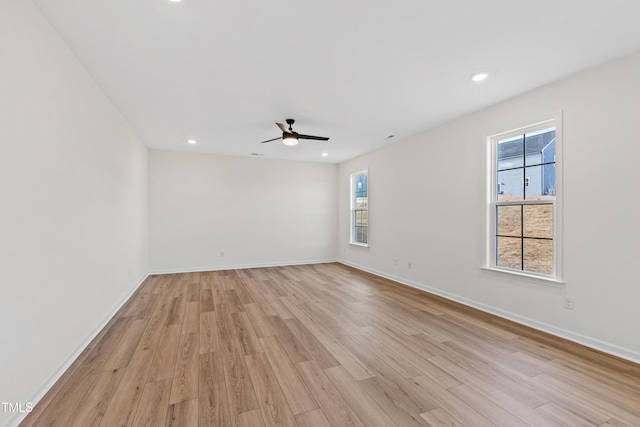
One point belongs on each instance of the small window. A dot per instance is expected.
(523, 204)
(360, 208)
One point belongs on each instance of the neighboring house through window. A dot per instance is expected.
(360, 208)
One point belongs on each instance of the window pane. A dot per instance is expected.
(538, 221)
(538, 256)
(541, 147)
(510, 185)
(510, 153)
(360, 234)
(360, 218)
(509, 252)
(509, 221)
(549, 181)
(532, 182)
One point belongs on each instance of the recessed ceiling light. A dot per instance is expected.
(478, 77)
(175, 1)
(190, 141)
(325, 154)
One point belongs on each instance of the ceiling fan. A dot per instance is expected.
(291, 137)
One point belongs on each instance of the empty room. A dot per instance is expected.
(330, 213)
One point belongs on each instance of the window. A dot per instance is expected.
(523, 233)
(360, 208)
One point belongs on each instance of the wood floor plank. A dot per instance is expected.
(249, 419)
(317, 351)
(163, 364)
(128, 343)
(206, 299)
(333, 405)
(213, 402)
(388, 378)
(182, 414)
(177, 307)
(369, 412)
(191, 323)
(595, 401)
(277, 305)
(209, 341)
(185, 377)
(224, 321)
(94, 404)
(108, 342)
(193, 289)
(313, 418)
(241, 289)
(259, 299)
(233, 301)
(295, 391)
(65, 402)
(242, 397)
(124, 404)
(490, 410)
(441, 418)
(562, 416)
(154, 401)
(245, 333)
(450, 403)
(156, 324)
(217, 293)
(259, 321)
(493, 392)
(338, 351)
(388, 355)
(392, 403)
(294, 348)
(273, 404)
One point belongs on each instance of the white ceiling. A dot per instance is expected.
(223, 72)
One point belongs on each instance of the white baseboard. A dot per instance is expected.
(587, 341)
(240, 266)
(35, 398)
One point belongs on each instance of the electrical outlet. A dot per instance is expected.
(569, 303)
(410, 265)
(395, 261)
(221, 254)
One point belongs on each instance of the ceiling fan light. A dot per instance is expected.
(290, 140)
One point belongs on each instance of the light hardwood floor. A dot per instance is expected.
(327, 345)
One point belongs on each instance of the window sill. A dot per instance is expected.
(362, 245)
(548, 281)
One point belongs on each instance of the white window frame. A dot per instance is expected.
(353, 209)
(491, 202)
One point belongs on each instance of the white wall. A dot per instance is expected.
(73, 205)
(257, 211)
(427, 206)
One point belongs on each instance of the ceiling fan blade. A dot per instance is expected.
(283, 128)
(269, 140)
(317, 138)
